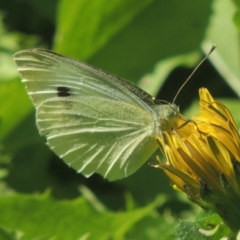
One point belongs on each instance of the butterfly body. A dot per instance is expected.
(94, 121)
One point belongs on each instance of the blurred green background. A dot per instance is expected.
(153, 43)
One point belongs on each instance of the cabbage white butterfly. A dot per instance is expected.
(94, 121)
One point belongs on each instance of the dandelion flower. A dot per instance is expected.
(203, 159)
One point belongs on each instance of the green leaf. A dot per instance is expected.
(15, 104)
(6, 234)
(236, 17)
(237, 20)
(223, 32)
(16, 107)
(41, 217)
(92, 24)
(153, 82)
(154, 227)
(207, 225)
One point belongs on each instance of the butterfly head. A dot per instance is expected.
(168, 116)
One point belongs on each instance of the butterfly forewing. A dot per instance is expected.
(44, 71)
(95, 121)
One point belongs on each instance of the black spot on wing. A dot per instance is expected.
(63, 91)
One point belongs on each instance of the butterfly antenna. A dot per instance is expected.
(180, 89)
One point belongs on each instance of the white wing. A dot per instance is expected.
(91, 120)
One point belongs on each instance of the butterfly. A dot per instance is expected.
(95, 121)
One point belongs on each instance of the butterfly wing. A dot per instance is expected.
(94, 121)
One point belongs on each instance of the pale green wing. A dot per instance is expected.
(111, 138)
(91, 120)
(44, 71)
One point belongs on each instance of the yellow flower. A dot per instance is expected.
(203, 159)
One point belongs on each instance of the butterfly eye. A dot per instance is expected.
(63, 92)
